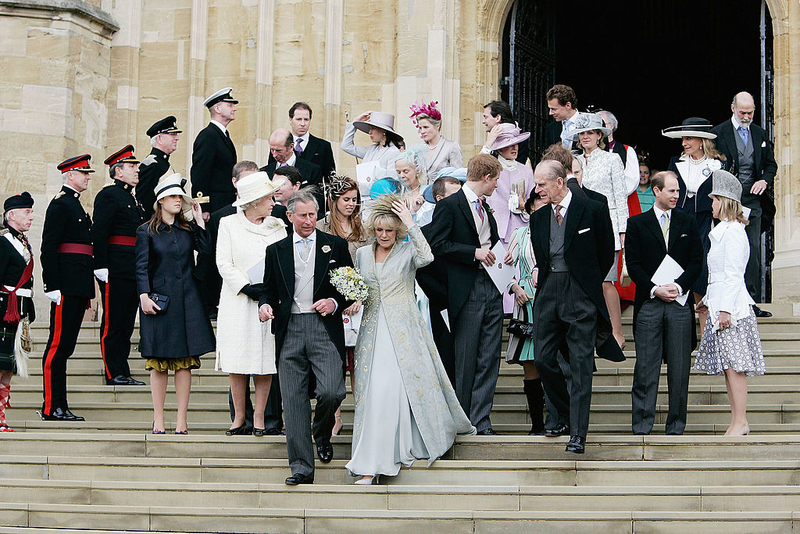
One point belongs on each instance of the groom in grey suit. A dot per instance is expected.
(309, 336)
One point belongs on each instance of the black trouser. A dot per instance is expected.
(752, 274)
(272, 413)
(120, 303)
(65, 324)
(444, 344)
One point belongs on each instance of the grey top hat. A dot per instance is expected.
(726, 185)
(691, 127)
(384, 121)
(586, 122)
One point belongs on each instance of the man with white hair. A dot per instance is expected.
(749, 153)
(164, 136)
(626, 153)
(67, 266)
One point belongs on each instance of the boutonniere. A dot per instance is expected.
(487, 207)
(326, 249)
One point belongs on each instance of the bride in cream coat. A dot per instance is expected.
(245, 345)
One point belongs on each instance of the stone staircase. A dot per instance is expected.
(110, 474)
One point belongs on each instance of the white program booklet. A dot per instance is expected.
(256, 272)
(500, 273)
(365, 174)
(667, 273)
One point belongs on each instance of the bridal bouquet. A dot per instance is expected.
(349, 282)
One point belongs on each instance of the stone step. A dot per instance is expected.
(504, 447)
(216, 519)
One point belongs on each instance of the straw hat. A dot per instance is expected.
(255, 187)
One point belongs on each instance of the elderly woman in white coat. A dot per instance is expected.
(441, 152)
(406, 408)
(604, 173)
(245, 345)
(731, 342)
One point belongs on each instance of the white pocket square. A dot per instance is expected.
(584, 230)
(763, 144)
(684, 235)
(332, 261)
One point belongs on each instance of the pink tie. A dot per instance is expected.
(559, 218)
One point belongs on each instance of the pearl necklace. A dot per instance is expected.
(697, 161)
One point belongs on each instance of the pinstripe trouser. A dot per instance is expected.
(307, 348)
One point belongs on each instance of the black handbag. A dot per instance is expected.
(520, 328)
(162, 301)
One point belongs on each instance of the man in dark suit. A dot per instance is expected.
(163, 136)
(283, 155)
(117, 215)
(496, 113)
(663, 327)
(68, 281)
(213, 155)
(306, 146)
(573, 243)
(563, 105)
(306, 313)
(462, 233)
(293, 183)
(749, 154)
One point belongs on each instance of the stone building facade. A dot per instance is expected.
(91, 76)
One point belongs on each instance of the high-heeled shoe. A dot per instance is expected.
(368, 481)
(259, 431)
(337, 425)
(158, 431)
(242, 430)
(182, 432)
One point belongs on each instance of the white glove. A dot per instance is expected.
(102, 275)
(55, 296)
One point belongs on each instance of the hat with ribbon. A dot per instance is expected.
(78, 163)
(691, 127)
(587, 122)
(171, 185)
(256, 186)
(384, 121)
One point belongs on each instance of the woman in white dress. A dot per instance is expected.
(405, 407)
(245, 345)
(731, 342)
(604, 173)
(439, 152)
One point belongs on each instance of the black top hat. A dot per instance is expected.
(691, 127)
(23, 200)
(166, 125)
(78, 163)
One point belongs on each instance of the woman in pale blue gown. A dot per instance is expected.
(405, 407)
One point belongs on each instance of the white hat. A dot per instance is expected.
(384, 121)
(726, 185)
(691, 127)
(256, 186)
(171, 185)
(223, 95)
(587, 122)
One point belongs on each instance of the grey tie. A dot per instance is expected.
(665, 227)
(305, 249)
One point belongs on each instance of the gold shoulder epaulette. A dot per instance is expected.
(151, 158)
(59, 195)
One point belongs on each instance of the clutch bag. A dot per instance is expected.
(162, 301)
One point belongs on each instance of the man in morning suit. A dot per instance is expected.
(164, 140)
(306, 313)
(573, 243)
(213, 154)
(563, 107)
(749, 154)
(117, 215)
(68, 282)
(306, 146)
(663, 327)
(462, 232)
(293, 183)
(282, 154)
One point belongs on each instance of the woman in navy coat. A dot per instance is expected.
(176, 333)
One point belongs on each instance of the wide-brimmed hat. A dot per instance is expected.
(587, 122)
(510, 135)
(691, 127)
(460, 174)
(171, 185)
(384, 121)
(256, 186)
(726, 185)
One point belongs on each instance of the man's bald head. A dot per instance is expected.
(281, 144)
(743, 108)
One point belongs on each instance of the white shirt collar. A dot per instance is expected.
(304, 137)
(297, 238)
(469, 193)
(564, 202)
(72, 189)
(659, 211)
(737, 124)
(219, 125)
(292, 160)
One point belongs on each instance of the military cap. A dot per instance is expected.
(223, 95)
(23, 200)
(123, 155)
(78, 163)
(167, 125)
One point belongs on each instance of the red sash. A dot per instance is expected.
(75, 248)
(128, 241)
(12, 311)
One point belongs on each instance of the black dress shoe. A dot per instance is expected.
(73, 416)
(122, 380)
(325, 451)
(243, 430)
(761, 313)
(296, 479)
(560, 430)
(273, 432)
(487, 432)
(60, 414)
(577, 444)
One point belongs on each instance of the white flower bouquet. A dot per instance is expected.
(349, 282)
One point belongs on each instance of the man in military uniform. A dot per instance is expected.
(68, 282)
(117, 215)
(213, 155)
(164, 140)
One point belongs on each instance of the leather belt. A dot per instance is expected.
(126, 240)
(75, 248)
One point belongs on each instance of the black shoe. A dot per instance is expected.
(537, 432)
(60, 415)
(259, 432)
(273, 432)
(122, 380)
(560, 430)
(761, 313)
(577, 444)
(325, 451)
(487, 432)
(243, 430)
(296, 479)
